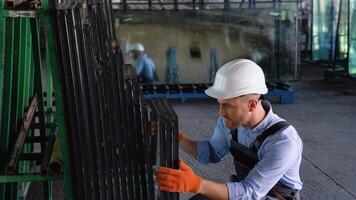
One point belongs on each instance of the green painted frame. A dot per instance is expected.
(21, 77)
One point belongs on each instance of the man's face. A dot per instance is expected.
(236, 111)
(134, 54)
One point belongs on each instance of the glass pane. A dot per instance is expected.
(330, 32)
(352, 51)
(342, 40)
(188, 46)
(322, 33)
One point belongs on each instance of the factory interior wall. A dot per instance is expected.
(157, 38)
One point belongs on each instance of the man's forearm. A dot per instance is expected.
(213, 190)
(188, 145)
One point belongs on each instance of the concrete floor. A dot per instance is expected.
(324, 113)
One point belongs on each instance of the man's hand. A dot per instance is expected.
(182, 180)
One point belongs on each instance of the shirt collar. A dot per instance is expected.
(264, 124)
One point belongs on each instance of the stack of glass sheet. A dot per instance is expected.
(333, 34)
(198, 42)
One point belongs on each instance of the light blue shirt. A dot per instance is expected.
(145, 67)
(279, 157)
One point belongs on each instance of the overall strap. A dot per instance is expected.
(234, 133)
(270, 131)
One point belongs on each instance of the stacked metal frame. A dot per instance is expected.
(107, 124)
(164, 130)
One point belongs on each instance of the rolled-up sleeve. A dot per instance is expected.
(217, 147)
(278, 155)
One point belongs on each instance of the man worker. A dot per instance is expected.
(145, 68)
(258, 54)
(267, 150)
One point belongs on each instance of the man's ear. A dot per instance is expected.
(252, 105)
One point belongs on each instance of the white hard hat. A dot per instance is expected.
(136, 47)
(237, 78)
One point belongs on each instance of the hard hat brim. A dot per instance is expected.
(212, 92)
(219, 94)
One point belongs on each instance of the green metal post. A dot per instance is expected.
(7, 94)
(15, 103)
(2, 51)
(29, 80)
(2, 71)
(20, 102)
(23, 94)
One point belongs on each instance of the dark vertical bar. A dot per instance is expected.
(147, 168)
(173, 144)
(94, 114)
(98, 27)
(117, 149)
(132, 139)
(167, 141)
(69, 105)
(78, 99)
(129, 150)
(162, 143)
(152, 142)
(122, 126)
(89, 131)
(141, 138)
(107, 114)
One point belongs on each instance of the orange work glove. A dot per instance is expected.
(182, 180)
